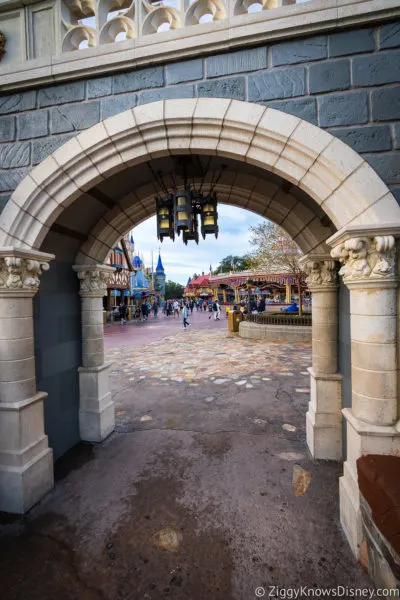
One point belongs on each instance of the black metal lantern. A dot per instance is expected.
(183, 210)
(165, 217)
(209, 216)
(192, 233)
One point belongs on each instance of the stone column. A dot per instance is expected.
(26, 461)
(369, 272)
(324, 419)
(96, 409)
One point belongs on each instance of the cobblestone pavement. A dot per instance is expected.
(206, 490)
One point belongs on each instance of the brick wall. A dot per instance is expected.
(347, 83)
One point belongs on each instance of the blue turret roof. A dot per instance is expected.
(159, 266)
(137, 262)
(131, 240)
(189, 280)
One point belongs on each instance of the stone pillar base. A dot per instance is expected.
(324, 419)
(97, 409)
(362, 438)
(26, 461)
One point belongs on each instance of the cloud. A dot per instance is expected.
(180, 261)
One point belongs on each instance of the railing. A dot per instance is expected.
(280, 319)
(88, 23)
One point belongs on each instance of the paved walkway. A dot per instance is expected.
(136, 333)
(205, 491)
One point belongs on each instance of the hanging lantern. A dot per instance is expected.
(192, 233)
(183, 211)
(209, 216)
(165, 221)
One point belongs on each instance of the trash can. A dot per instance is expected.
(234, 319)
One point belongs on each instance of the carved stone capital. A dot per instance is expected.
(322, 273)
(20, 271)
(93, 280)
(366, 258)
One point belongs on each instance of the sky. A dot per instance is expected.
(180, 261)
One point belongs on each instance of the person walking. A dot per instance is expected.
(123, 311)
(143, 308)
(155, 309)
(218, 315)
(176, 308)
(216, 311)
(185, 315)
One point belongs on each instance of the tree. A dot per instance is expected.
(233, 263)
(274, 250)
(173, 290)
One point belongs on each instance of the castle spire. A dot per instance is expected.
(159, 266)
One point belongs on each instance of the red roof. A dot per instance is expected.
(201, 281)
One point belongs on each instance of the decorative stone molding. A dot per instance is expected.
(93, 280)
(366, 257)
(321, 273)
(20, 271)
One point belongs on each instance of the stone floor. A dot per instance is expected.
(205, 491)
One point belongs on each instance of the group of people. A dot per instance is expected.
(177, 308)
(142, 311)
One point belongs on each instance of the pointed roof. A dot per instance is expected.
(131, 240)
(137, 262)
(201, 281)
(159, 266)
(189, 280)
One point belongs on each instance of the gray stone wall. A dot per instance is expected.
(58, 345)
(347, 83)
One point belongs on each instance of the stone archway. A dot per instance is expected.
(312, 159)
(340, 182)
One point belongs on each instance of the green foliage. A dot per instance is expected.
(233, 263)
(173, 290)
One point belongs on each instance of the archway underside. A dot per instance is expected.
(329, 179)
(106, 212)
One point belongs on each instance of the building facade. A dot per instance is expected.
(118, 288)
(232, 288)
